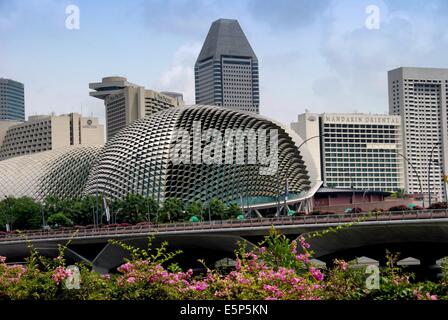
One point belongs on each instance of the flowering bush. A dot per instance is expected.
(278, 269)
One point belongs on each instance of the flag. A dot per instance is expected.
(286, 189)
(106, 209)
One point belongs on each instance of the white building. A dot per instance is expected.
(126, 102)
(419, 97)
(43, 133)
(359, 151)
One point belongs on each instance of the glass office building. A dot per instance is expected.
(12, 100)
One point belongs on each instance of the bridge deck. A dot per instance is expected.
(321, 221)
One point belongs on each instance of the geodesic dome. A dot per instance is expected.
(139, 159)
(62, 172)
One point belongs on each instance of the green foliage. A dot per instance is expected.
(275, 270)
(195, 208)
(21, 213)
(134, 208)
(444, 266)
(399, 194)
(59, 219)
(172, 210)
(233, 211)
(217, 209)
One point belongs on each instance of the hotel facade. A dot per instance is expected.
(359, 151)
(44, 133)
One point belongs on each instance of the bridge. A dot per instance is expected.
(420, 234)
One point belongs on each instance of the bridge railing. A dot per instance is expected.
(224, 224)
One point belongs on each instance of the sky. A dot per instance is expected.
(320, 55)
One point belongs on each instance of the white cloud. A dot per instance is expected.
(180, 75)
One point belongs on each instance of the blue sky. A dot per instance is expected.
(315, 55)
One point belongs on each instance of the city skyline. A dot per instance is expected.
(343, 66)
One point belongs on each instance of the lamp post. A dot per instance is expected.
(429, 172)
(8, 216)
(416, 173)
(444, 178)
(286, 178)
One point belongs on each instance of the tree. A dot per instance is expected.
(217, 209)
(131, 209)
(172, 210)
(59, 219)
(195, 208)
(233, 211)
(6, 215)
(24, 213)
(152, 208)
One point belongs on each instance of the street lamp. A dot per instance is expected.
(429, 171)
(416, 173)
(286, 178)
(444, 177)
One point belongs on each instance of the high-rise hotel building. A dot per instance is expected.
(419, 97)
(126, 102)
(226, 70)
(12, 100)
(49, 132)
(360, 151)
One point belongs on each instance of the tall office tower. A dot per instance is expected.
(43, 133)
(12, 100)
(419, 96)
(226, 71)
(126, 102)
(358, 151)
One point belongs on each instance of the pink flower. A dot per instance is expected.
(131, 280)
(294, 247)
(316, 273)
(238, 265)
(125, 267)
(431, 297)
(262, 249)
(303, 257)
(2, 259)
(60, 274)
(344, 265)
(303, 243)
(200, 286)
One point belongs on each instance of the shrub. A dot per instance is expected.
(58, 220)
(279, 268)
(438, 205)
(399, 208)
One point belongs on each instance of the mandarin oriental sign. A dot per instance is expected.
(361, 119)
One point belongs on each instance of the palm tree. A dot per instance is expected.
(399, 194)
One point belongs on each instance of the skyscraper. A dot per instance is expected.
(419, 96)
(12, 100)
(126, 102)
(226, 71)
(356, 150)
